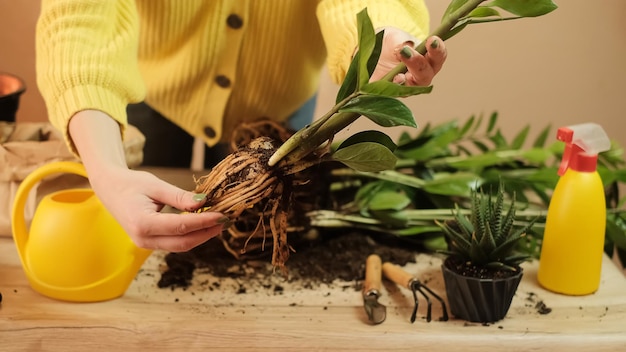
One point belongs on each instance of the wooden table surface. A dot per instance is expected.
(206, 316)
(215, 314)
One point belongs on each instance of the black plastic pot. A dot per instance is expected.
(479, 300)
(11, 88)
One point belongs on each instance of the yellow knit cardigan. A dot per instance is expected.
(205, 64)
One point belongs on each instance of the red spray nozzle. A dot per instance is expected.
(582, 144)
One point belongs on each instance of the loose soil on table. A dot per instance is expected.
(334, 259)
(326, 259)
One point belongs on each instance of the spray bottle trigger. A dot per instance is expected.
(565, 135)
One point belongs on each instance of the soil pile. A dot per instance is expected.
(324, 259)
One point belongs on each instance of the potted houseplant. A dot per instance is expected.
(482, 270)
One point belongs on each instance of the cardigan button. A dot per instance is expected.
(209, 132)
(234, 21)
(222, 81)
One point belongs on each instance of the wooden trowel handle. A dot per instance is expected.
(373, 273)
(397, 274)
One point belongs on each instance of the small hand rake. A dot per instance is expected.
(402, 278)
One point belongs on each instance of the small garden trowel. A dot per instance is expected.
(376, 312)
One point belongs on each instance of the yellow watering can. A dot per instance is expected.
(75, 250)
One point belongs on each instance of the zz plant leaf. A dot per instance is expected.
(366, 156)
(390, 89)
(369, 136)
(384, 111)
(369, 48)
(526, 8)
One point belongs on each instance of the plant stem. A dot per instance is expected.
(311, 137)
(387, 175)
(315, 134)
(416, 218)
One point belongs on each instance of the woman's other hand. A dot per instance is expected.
(398, 46)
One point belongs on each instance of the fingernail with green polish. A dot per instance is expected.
(227, 225)
(223, 220)
(199, 197)
(434, 44)
(406, 52)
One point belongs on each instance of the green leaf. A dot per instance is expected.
(384, 111)
(520, 138)
(547, 176)
(367, 44)
(481, 146)
(537, 155)
(390, 89)
(375, 55)
(366, 156)
(526, 8)
(364, 60)
(467, 228)
(456, 184)
(493, 119)
(496, 211)
(540, 141)
(487, 242)
(391, 218)
(458, 27)
(616, 230)
(452, 7)
(365, 193)
(434, 244)
(475, 161)
(389, 200)
(499, 140)
(506, 247)
(349, 84)
(516, 259)
(467, 126)
(464, 151)
(484, 11)
(397, 177)
(418, 230)
(437, 145)
(369, 136)
(620, 175)
(477, 254)
(458, 239)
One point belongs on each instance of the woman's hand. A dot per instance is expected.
(135, 198)
(398, 46)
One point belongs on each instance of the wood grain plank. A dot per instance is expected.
(326, 318)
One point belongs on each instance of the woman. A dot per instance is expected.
(201, 67)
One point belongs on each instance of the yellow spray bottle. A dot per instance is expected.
(572, 249)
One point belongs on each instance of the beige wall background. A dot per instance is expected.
(564, 68)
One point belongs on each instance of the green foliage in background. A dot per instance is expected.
(439, 168)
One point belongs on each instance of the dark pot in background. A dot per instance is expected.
(479, 300)
(11, 87)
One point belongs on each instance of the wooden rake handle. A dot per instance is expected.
(397, 274)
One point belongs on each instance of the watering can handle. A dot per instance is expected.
(18, 222)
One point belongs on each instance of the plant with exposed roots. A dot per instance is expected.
(267, 182)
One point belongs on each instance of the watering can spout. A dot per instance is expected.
(74, 250)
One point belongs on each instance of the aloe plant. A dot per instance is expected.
(487, 237)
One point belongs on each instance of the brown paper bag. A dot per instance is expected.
(25, 147)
